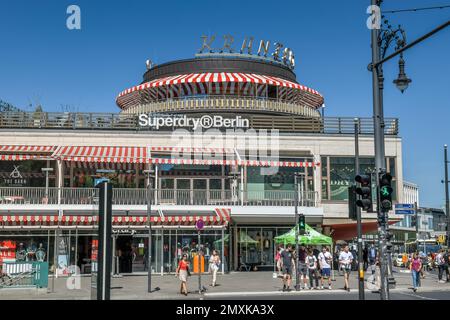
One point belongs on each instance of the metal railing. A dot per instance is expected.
(123, 121)
(24, 274)
(227, 103)
(131, 196)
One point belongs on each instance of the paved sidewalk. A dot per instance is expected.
(232, 284)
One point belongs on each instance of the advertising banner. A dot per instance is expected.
(7, 251)
(63, 256)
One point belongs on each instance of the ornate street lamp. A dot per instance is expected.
(402, 82)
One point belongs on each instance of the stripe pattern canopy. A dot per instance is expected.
(224, 82)
(83, 220)
(25, 152)
(112, 154)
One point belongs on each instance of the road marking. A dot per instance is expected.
(416, 296)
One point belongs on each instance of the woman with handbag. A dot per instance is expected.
(183, 272)
(214, 263)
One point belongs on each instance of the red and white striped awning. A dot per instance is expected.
(245, 163)
(78, 220)
(27, 149)
(218, 77)
(25, 152)
(216, 83)
(102, 154)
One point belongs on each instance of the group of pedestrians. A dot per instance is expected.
(183, 271)
(311, 265)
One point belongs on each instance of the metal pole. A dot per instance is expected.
(379, 150)
(223, 251)
(149, 250)
(417, 223)
(55, 260)
(447, 204)
(46, 184)
(199, 265)
(297, 280)
(358, 220)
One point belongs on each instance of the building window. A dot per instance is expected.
(338, 174)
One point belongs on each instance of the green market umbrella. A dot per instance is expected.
(243, 238)
(311, 237)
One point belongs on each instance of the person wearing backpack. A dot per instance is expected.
(311, 263)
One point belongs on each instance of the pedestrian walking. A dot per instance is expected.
(365, 258)
(345, 261)
(372, 255)
(214, 264)
(182, 272)
(446, 256)
(439, 260)
(415, 267)
(302, 269)
(311, 262)
(325, 266)
(287, 267)
(278, 260)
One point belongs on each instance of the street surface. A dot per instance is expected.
(236, 285)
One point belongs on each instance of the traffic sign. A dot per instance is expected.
(404, 206)
(199, 224)
(401, 211)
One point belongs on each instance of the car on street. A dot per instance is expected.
(398, 260)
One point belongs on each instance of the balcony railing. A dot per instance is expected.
(122, 196)
(218, 103)
(123, 121)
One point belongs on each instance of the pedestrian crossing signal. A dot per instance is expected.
(386, 191)
(302, 224)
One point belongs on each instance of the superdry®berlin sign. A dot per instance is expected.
(204, 122)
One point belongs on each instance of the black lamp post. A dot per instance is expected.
(381, 38)
(447, 202)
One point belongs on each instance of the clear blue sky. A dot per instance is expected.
(41, 61)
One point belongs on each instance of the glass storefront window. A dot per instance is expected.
(342, 173)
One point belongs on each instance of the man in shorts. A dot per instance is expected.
(325, 266)
(345, 260)
(287, 266)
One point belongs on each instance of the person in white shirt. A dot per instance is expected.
(345, 261)
(325, 266)
(311, 262)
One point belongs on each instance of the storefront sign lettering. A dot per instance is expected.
(281, 54)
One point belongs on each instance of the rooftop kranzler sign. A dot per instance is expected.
(279, 53)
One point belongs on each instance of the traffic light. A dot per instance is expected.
(302, 224)
(365, 191)
(413, 220)
(385, 192)
(389, 237)
(352, 202)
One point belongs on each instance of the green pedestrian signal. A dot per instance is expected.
(385, 192)
(302, 224)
